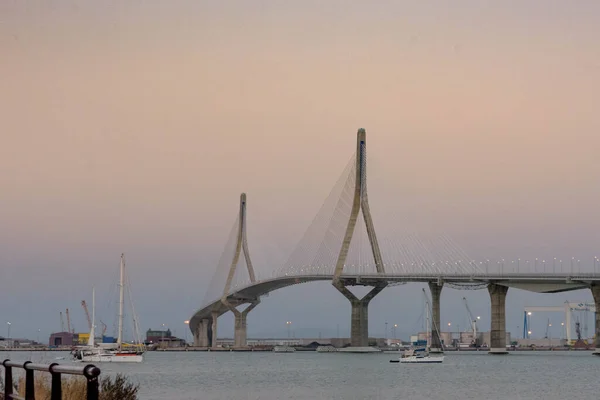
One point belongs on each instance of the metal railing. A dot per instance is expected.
(90, 372)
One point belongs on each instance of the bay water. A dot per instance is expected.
(343, 376)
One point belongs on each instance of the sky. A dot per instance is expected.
(133, 127)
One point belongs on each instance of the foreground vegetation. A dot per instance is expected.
(74, 388)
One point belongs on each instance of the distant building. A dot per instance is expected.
(557, 342)
(157, 336)
(445, 337)
(461, 339)
(62, 339)
(163, 339)
(304, 342)
(483, 339)
(81, 338)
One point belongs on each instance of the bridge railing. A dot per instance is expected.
(90, 372)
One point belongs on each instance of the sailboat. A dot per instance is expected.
(420, 355)
(122, 353)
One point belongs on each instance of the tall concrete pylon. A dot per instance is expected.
(359, 332)
(240, 316)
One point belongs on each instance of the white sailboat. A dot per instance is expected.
(94, 353)
(421, 355)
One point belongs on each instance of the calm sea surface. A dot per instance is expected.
(328, 376)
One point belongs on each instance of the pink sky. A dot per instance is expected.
(135, 127)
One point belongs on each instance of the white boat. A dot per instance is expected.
(284, 349)
(420, 356)
(120, 353)
(326, 349)
(103, 355)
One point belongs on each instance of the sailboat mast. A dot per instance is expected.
(428, 327)
(93, 307)
(92, 329)
(121, 300)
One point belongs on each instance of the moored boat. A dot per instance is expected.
(121, 352)
(420, 356)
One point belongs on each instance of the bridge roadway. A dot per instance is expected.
(203, 322)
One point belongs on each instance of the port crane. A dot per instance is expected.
(87, 314)
(568, 309)
(68, 321)
(472, 320)
(89, 320)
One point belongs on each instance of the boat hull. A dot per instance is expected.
(422, 360)
(283, 349)
(117, 358)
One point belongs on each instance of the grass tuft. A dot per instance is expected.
(75, 388)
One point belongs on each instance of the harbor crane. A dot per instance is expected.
(104, 327)
(87, 314)
(568, 309)
(472, 320)
(69, 322)
(89, 320)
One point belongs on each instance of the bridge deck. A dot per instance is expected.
(540, 283)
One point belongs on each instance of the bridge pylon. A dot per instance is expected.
(205, 333)
(240, 335)
(359, 332)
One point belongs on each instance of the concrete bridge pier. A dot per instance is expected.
(359, 323)
(201, 334)
(240, 325)
(213, 341)
(436, 292)
(498, 326)
(596, 294)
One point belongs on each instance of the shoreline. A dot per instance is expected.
(249, 349)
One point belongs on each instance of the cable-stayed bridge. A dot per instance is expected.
(341, 245)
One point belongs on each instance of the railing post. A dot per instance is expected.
(91, 374)
(29, 382)
(8, 381)
(56, 391)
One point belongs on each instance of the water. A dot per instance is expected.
(329, 376)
